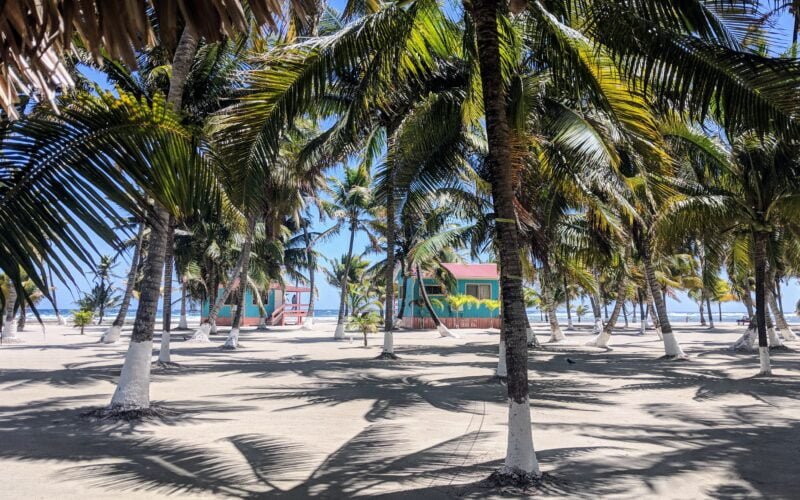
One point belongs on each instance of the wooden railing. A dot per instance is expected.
(277, 315)
(283, 311)
(298, 311)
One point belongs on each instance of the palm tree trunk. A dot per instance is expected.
(23, 317)
(183, 323)
(598, 315)
(169, 265)
(760, 258)
(59, 319)
(164, 355)
(232, 342)
(403, 293)
(226, 291)
(388, 316)
(339, 334)
(602, 339)
(112, 334)
(308, 323)
(520, 454)
(642, 313)
(426, 300)
(710, 314)
(625, 314)
(747, 299)
(570, 326)
(778, 294)
(700, 307)
(556, 335)
(502, 367)
(780, 319)
(671, 347)
(133, 389)
(9, 334)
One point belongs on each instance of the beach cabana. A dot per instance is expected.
(283, 305)
(481, 281)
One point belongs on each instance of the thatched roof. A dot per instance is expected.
(35, 34)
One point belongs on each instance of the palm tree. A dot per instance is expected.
(9, 332)
(112, 334)
(350, 204)
(662, 41)
(754, 188)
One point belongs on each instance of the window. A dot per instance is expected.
(480, 292)
(434, 290)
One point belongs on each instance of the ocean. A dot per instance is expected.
(325, 315)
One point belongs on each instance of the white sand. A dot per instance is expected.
(295, 414)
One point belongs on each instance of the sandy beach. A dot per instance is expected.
(295, 414)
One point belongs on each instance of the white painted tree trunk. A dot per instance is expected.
(780, 320)
(112, 334)
(388, 342)
(642, 326)
(600, 340)
(747, 341)
(532, 339)
(308, 323)
(788, 334)
(774, 340)
(164, 354)
(763, 356)
(520, 457)
(570, 325)
(183, 324)
(502, 370)
(262, 324)
(201, 334)
(339, 333)
(671, 346)
(10, 332)
(598, 326)
(445, 332)
(133, 390)
(556, 335)
(213, 327)
(232, 342)
(60, 320)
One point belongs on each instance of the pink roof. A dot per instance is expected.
(474, 271)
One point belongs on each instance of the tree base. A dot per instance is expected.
(13, 340)
(780, 348)
(128, 415)
(229, 347)
(166, 365)
(387, 355)
(674, 357)
(514, 482)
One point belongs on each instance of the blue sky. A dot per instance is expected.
(337, 246)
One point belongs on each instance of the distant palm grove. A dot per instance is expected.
(601, 152)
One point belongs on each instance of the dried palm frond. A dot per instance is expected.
(35, 35)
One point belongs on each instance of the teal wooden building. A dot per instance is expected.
(482, 281)
(283, 305)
